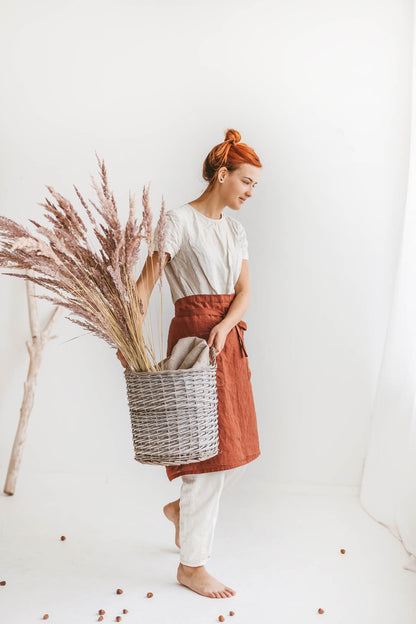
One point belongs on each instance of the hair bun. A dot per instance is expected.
(233, 136)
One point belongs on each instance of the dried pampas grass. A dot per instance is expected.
(93, 279)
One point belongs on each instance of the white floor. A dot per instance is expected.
(277, 546)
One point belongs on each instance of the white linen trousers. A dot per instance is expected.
(199, 504)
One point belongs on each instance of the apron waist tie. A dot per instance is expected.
(241, 325)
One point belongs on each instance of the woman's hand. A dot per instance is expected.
(121, 358)
(217, 337)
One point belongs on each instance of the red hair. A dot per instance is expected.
(230, 154)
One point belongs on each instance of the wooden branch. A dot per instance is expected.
(32, 307)
(35, 348)
(51, 322)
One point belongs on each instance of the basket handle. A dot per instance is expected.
(212, 355)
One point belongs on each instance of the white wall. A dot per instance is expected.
(321, 91)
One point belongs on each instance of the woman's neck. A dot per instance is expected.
(211, 208)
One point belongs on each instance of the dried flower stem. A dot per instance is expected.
(98, 287)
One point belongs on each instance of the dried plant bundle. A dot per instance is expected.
(88, 267)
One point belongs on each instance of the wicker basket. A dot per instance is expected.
(174, 415)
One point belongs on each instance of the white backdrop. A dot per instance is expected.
(388, 488)
(321, 91)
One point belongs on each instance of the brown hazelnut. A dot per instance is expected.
(149, 594)
(343, 550)
(101, 612)
(321, 611)
(221, 618)
(45, 617)
(232, 613)
(118, 618)
(119, 591)
(100, 619)
(2, 582)
(125, 611)
(63, 538)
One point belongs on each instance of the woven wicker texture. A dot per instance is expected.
(174, 415)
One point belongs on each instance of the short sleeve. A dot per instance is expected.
(173, 235)
(243, 242)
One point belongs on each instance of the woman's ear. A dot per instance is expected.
(222, 172)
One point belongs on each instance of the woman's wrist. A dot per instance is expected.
(226, 324)
(236, 311)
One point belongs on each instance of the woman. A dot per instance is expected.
(206, 267)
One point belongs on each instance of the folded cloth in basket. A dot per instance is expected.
(189, 352)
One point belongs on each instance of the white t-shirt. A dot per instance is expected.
(205, 254)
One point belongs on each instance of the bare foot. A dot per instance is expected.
(203, 583)
(171, 511)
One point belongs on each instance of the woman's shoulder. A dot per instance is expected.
(180, 211)
(183, 214)
(235, 224)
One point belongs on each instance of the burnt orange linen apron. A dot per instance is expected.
(196, 315)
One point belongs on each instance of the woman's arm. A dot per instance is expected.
(148, 277)
(235, 312)
(145, 284)
(241, 300)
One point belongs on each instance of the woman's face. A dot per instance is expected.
(238, 185)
